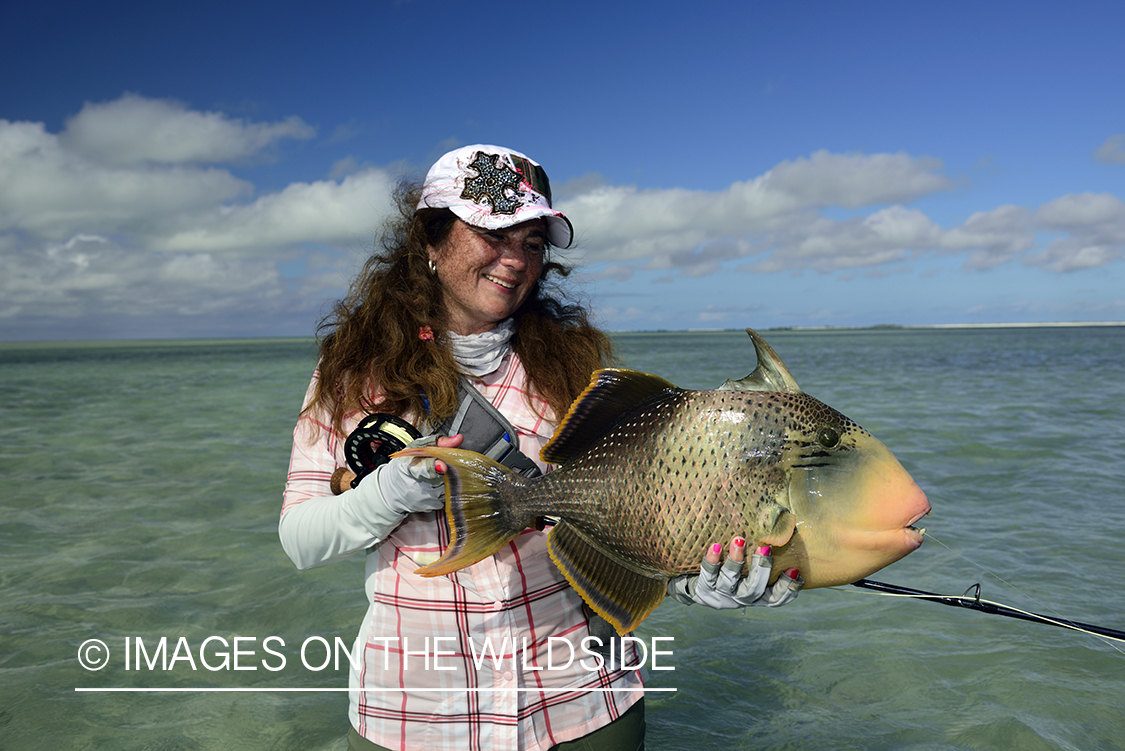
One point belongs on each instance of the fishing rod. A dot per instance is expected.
(971, 600)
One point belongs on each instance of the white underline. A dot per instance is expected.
(366, 690)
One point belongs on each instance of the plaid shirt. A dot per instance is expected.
(462, 661)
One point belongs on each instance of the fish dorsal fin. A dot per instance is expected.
(612, 391)
(770, 375)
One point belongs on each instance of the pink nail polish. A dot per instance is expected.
(716, 548)
(739, 542)
(793, 573)
(764, 550)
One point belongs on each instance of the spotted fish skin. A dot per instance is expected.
(650, 474)
(683, 470)
(680, 472)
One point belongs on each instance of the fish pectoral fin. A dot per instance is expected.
(611, 393)
(782, 532)
(617, 592)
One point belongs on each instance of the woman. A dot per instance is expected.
(461, 287)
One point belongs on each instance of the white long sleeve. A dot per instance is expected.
(326, 529)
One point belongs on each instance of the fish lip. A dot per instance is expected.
(919, 517)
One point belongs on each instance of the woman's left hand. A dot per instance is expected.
(723, 587)
(342, 477)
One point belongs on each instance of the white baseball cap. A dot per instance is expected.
(492, 187)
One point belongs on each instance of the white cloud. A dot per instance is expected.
(130, 211)
(886, 236)
(618, 272)
(782, 221)
(89, 273)
(992, 237)
(628, 316)
(93, 221)
(49, 191)
(856, 180)
(1084, 210)
(52, 187)
(321, 212)
(675, 227)
(1113, 150)
(1095, 232)
(713, 313)
(134, 129)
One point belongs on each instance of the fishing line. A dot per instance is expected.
(973, 601)
(995, 576)
(1059, 620)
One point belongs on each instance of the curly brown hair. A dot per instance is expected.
(373, 359)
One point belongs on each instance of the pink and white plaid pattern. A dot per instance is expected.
(504, 623)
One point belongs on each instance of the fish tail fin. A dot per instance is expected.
(477, 506)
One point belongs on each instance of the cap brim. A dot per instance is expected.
(560, 232)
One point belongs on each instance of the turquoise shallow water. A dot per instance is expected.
(142, 483)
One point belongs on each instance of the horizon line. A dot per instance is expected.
(689, 330)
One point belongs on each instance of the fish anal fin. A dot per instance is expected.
(611, 392)
(770, 375)
(622, 595)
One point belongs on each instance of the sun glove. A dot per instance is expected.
(722, 587)
(400, 487)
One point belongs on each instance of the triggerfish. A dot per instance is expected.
(650, 474)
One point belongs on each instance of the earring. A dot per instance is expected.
(433, 267)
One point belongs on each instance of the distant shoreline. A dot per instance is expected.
(312, 339)
(1040, 325)
(895, 327)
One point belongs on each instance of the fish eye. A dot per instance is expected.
(828, 436)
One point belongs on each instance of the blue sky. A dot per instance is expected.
(216, 169)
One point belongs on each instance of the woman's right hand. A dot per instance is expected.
(723, 586)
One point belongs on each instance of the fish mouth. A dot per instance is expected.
(914, 534)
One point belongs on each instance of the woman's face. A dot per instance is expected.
(487, 274)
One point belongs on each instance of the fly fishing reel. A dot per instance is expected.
(373, 441)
